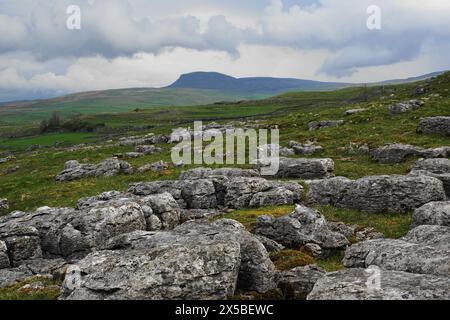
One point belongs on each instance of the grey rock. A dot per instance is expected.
(148, 149)
(436, 168)
(165, 207)
(351, 284)
(398, 153)
(66, 232)
(205, 173)
(256, 271)
(10, 277)
(432, 165)
(377, 194)
(4, 206)
(303, 226)
(305, 168)
(199, 194)
(199, 214)
(4, 259)
(7, 159)
(395, 153)
(155, 167)
(433, 213)
(354, 111)
(22, 243)
(304, 149)
(405, 106)
(270, 245)
(317, 125)
(434, 125)
(191, 272)
(73, 170)
(428, 235)
(299, 282)
(399, 255)
(134, 155)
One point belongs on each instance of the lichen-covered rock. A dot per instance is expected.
(303, 226)
(155, 167)
(299, 282)
(434, 236)
(256, 271)
(66, 232)
(377, 194)
(300, 168)
(73, 170)
(4, 259)
(436, 168)
(395, 153)
(213, 189)
(399, 255)
(433, 213)
(304, 148)
(317, 125)
(405, 106)
(205, 173)
(270, 245)
(352, 284)
(22, 243)
(148, 149)
(185, 272)
(434, 125)
(4, 206)
(165, 208)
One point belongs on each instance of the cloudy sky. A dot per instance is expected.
(149, 43)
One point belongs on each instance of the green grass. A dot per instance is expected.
(392, 225)
(50, 291)
(47, 140)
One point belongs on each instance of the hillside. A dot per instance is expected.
(261, 85)
(121, 100)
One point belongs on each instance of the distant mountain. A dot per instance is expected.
(263, 85)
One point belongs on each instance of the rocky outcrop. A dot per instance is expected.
(398, 153)
(317, 125)
(433, 213)
(301, 168)
(188, 272)
(352, 284)
(203, 189)
(194, 261)
(300, 228)
(4, 259)
(69, 233)
(377, 194)
(297, 283)
(143, 140)
(307, 148)
(73, 170)
(405, 106)
(154, 167)
(148, 149)
(434, 125)
(436, 168)
(205, 173)
(355, 232)
(4, 206)
(423, 251)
